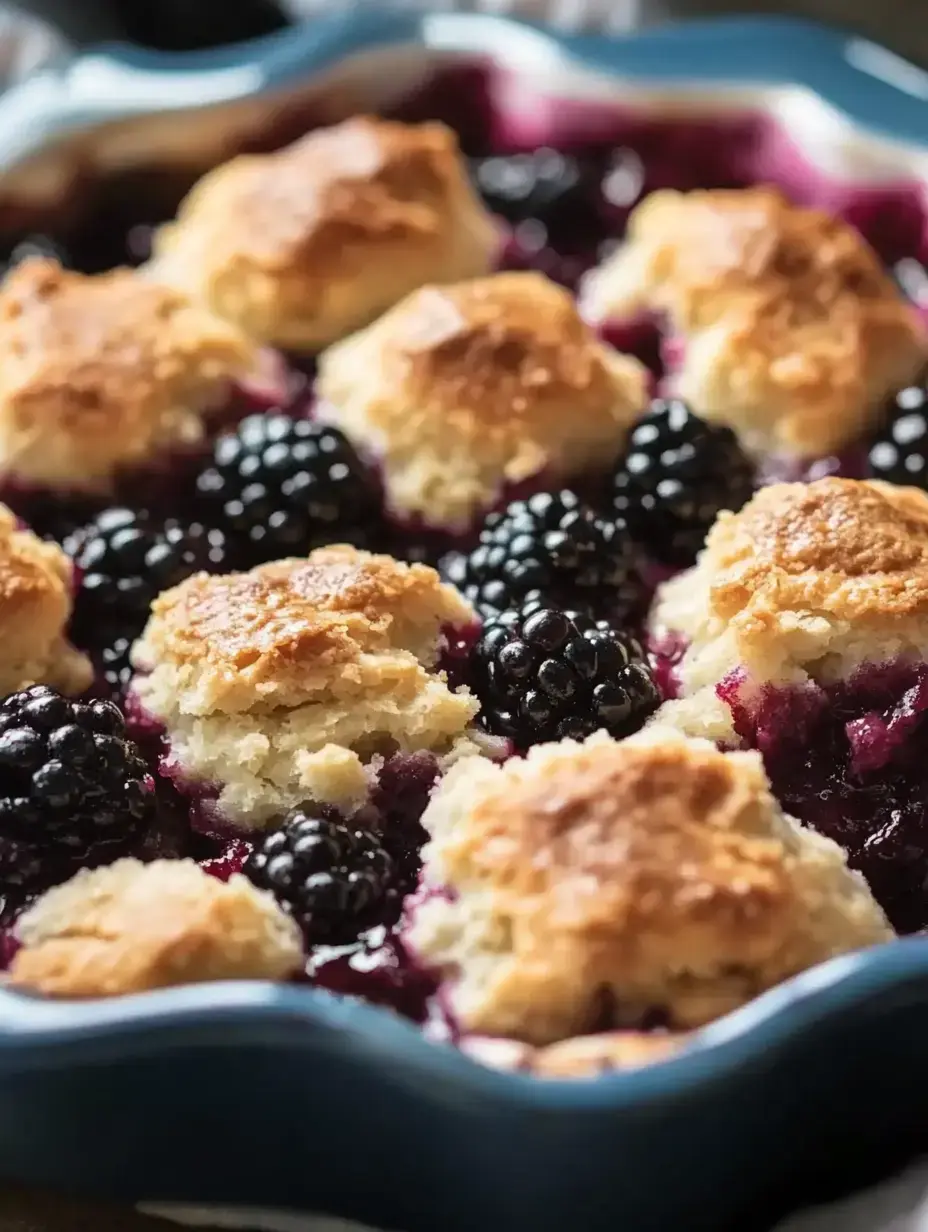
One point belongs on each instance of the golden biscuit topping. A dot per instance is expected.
(604, 880)
(276, 636)
(845, 546)
(461, 390)
(293, 682)
(794, 331)
(485, 351)
(101, 373)
(131, 927)
(808, 579)
(304, 245)
(35, 607)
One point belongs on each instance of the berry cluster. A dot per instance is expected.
(549, 547)
(899, 450)
(334, 877)
(72, 786)
(546, 674)
(679, 472)
(554, 192)
(123, 559)
(280, 486)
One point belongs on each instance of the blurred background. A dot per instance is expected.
(175, 24)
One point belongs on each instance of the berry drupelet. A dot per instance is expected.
(279, 486)
(70, 782)
(335, 878)
(114, 666)
(549, 674)
(124, 559)
(678, 473)
(899, 452)
(549, 547)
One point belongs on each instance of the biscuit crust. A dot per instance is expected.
(806, 582)
(294, 681)
(303, 246)
(793, 332)
(591, 884)
(460, 391)
(131, 927)
(35, 607)
(106, 372)
(584, 1056)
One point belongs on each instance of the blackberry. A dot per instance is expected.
(899, 453)
(677, 475)
(335, 878)
(69, 781)
(546, 674)
(279, 486)
(124, 559)
(549, 547)
(544, 188)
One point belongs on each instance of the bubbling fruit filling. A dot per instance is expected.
(423, 784)
(847, 758)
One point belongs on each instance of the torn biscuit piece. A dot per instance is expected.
(806, 584)
(295, 681)
(105, 373)
(36, 581)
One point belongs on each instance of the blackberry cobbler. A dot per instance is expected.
(421, 612)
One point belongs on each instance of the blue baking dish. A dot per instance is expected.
(285, 1097)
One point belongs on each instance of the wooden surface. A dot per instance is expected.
(21, 1211)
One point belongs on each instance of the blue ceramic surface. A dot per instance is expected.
(260, 1095)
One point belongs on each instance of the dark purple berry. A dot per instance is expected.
(335, 878)
(556, 193)
(899, 451)
(678, 473)
(547, 674)
(124, 559)
(548, 548)
(70, 784)
(279, 486)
